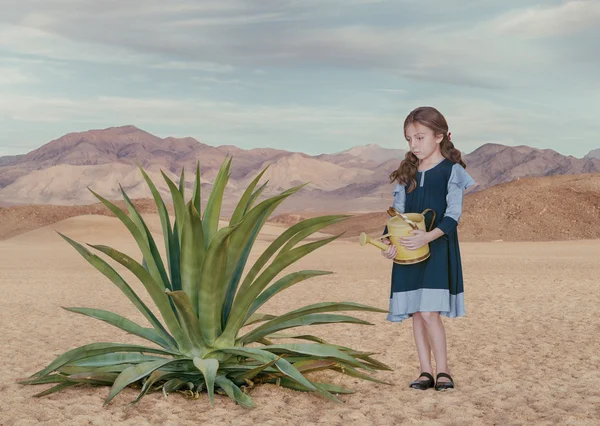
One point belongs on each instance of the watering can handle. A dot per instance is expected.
(393, 212)
(432, 220)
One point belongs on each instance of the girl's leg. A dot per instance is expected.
(422, 343)
(437, 335)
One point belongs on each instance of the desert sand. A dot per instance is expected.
(526, 353)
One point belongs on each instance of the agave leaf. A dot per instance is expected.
(373, 363)
(365, 358)
(192, 254)
(112, 275)
(147, 236)
(244, 301)
(211, 289)
(319, 388)
(258, 317)
(313, 349)
(182, 183)
(242, 241)
(242, 205)
(210, 220)
(54, 389)
(282, 284)
(234, 392)
(297, 336)
(53, 378)
(133, 374)
(255, 196)
(265, 356)
(175, 384)
(155, 376)
(314, 364)
(306, 232)
(196, 200)
(281, 240)
(122, 323)
(73, 369)
(113, 359)
(154, 290)
(250, 374)
(187, 316)
(94, 349)
(93, 377)
(299, 321)
(350, 371)
(139, 238)
(334, 388)
(310, 309)
(236, 260)
(171, 249)
(209, 368)
(178, 204)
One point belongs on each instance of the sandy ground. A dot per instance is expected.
(526, 353)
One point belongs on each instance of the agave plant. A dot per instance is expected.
(203, 341)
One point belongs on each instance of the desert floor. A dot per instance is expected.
(527, 352)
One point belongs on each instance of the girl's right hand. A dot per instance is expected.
(391, 252)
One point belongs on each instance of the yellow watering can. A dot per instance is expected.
(400, 225)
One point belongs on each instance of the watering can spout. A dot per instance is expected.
(364, 239)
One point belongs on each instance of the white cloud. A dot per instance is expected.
(571, 17)
(51, 47)
(220, 36)
(195, 65)
(243, 19)
(10, 75)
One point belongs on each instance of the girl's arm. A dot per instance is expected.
(458, 182)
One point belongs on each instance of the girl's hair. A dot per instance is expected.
(434, 120)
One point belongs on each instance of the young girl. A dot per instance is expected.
(432, 176)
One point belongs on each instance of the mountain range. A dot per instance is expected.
(356, 179)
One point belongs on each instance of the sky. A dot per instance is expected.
(316, 76)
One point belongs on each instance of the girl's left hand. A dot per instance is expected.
(418, 239)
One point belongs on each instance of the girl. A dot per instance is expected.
(433, 176)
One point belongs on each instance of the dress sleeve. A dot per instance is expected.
(458, 182)
(399, 194)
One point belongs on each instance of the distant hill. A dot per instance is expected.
(531, 209)
(594, 153)
(356, 179)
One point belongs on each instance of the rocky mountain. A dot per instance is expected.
(356, 179)
(492, 164)
(594, 153)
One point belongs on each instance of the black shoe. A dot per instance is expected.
(423, 384)
(440, 386)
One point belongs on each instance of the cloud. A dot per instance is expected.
(356, 66)
(9, 76)
(571, 17)
(313, 129)
(219, 36)
(194, 65)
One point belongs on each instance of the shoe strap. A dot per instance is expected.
(444, 375)
(426, 374)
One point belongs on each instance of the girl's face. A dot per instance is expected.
(422, 141)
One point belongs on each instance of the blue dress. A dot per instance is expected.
(436, 284)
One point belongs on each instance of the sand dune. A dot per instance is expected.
(526, 352)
